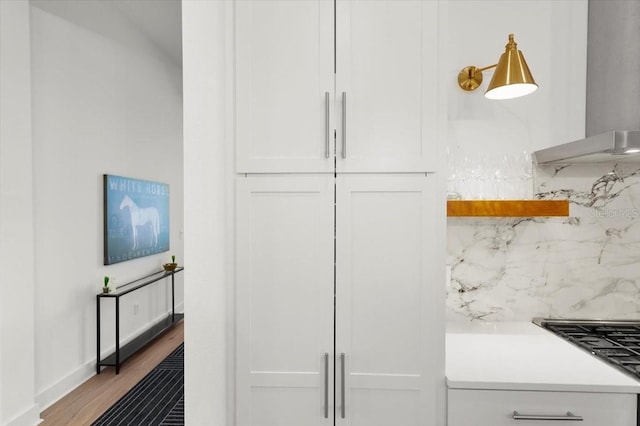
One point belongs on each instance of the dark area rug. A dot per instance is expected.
(157, 400)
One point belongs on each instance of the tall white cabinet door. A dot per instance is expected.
(385, 321)
(386, 66)
(284, 67)
(284, 301)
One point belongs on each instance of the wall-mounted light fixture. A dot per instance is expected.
(511, 78)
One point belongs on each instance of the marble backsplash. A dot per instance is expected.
(583, 266)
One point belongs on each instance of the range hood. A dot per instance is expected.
(613, 89)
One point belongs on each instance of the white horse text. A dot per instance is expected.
(130, 186)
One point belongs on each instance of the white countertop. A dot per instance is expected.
(523, 356)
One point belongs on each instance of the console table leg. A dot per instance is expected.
(117, 335)
(173, 298)
(98, 335)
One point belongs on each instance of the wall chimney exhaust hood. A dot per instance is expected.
(613, 89)
(615, 145)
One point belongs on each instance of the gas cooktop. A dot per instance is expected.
(616, 342)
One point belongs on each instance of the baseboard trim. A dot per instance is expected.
(53, 393)
(59, 389)
(29, 417)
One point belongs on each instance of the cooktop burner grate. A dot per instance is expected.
(618, 343)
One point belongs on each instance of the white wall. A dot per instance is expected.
(552, 36)
(105, 100)
(17, 405)
(208, 225)
(515, 269)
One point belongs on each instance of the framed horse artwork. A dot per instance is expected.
(136, 218)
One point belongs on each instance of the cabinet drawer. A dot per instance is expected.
(495, 408)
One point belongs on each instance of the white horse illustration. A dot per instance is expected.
(140, 216)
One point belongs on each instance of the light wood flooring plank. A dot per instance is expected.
(88, 401)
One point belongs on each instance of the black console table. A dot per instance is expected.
(122, 353)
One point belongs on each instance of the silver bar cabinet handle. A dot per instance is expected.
(328, 130)
(344, 124)
(569, 417)
(342, 385)
(326, 385)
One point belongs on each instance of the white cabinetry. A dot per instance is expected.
(386, 67)
(284, 300)
(289, 359)
(338, 272)
(371, 101)
(284, 67)
(496, 408)
(384, 301)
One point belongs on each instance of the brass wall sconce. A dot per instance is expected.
(511, 78)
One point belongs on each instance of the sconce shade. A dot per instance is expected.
(512, 77)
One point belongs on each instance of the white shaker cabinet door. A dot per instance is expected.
(284, 301)
(386, 85)
(386, 324)
(283, 71)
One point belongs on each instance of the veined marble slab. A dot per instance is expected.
(584, 266)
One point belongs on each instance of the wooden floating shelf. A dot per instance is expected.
(507, 208)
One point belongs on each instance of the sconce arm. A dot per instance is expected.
(486, 68)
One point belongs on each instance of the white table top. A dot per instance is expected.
(523, 356)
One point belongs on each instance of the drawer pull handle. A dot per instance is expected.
(342, 388)
(326, 385)
(328, 130)
(344, 125)
(569, 417)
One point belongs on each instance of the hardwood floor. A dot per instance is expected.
(87, 402)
